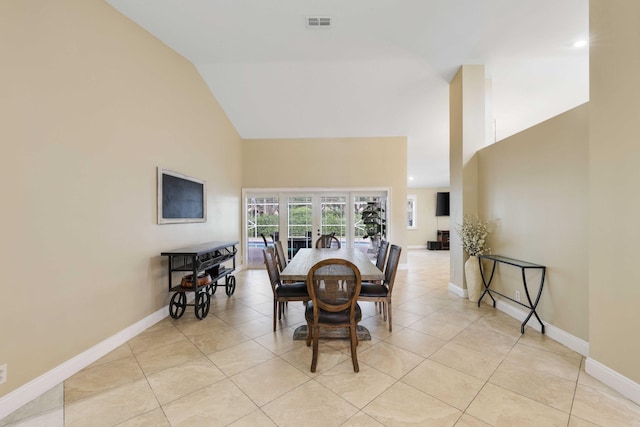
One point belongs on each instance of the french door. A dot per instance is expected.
(298, 218)
(312, 215)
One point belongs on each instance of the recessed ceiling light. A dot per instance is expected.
(580, 43)
(410, 178)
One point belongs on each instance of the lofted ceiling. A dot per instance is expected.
(381, 69)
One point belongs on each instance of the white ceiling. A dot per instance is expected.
(382, 69)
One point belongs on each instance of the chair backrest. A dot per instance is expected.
(334, 285)
(280, 256)
(392, 266)
(382, 254)
(272, 268)
(328, 241)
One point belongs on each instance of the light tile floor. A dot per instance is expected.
(447, 362)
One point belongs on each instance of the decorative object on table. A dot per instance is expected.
(473, 232)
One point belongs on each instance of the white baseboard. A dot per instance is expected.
(31, 390)
(458, 290)
(618, 382)
(574, 343)
(604, 374)
(410, 247)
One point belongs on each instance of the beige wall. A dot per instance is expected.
(91, 104)
(614, 174)
(467, 117)
(427, 223)
(535, 185)
(333, 163)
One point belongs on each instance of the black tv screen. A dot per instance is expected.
(181, 198)
(442, 204)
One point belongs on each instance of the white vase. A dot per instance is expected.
(473, 278)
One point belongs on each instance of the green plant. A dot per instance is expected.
(373, 221)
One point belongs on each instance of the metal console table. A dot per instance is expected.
(523, 266)
(204, 258)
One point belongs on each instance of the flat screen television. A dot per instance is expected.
(181, 198)
(442, 204)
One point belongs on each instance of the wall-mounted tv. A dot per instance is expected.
(181, 198)
(442, 204)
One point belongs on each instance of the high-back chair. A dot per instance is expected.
(328, 241)
(282, 293)
(381, 292)
(333, 285)
(280, 256)
(383, 249)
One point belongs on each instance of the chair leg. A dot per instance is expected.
(354, 344)
(275, 304)
(384, 311)
(389, 311)
(314, 360)
(309, 334)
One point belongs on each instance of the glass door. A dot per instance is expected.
(312, 215)
(300, 223)
(297, 219)
(333, 217)
(262, 227)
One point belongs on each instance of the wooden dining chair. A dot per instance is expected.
(333, 285)
(381, 258)
(381, 292)
(282, 293)
(280, 256)
(383, 250)
(328, 241)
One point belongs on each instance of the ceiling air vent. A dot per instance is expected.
(318, 22)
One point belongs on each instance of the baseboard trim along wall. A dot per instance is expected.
(33, 389)
(458, 290)
(618, 382)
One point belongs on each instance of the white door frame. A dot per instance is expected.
(284, 193)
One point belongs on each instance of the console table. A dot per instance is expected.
(204, 258)
(523, 266)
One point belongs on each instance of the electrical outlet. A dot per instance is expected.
(518, 296)
(3, 373)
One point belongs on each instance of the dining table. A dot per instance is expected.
(299, 266)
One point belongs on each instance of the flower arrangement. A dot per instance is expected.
(473, 234)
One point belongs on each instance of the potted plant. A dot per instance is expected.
(473, 232)
(374, 224)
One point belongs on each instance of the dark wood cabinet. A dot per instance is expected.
(443, 238)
